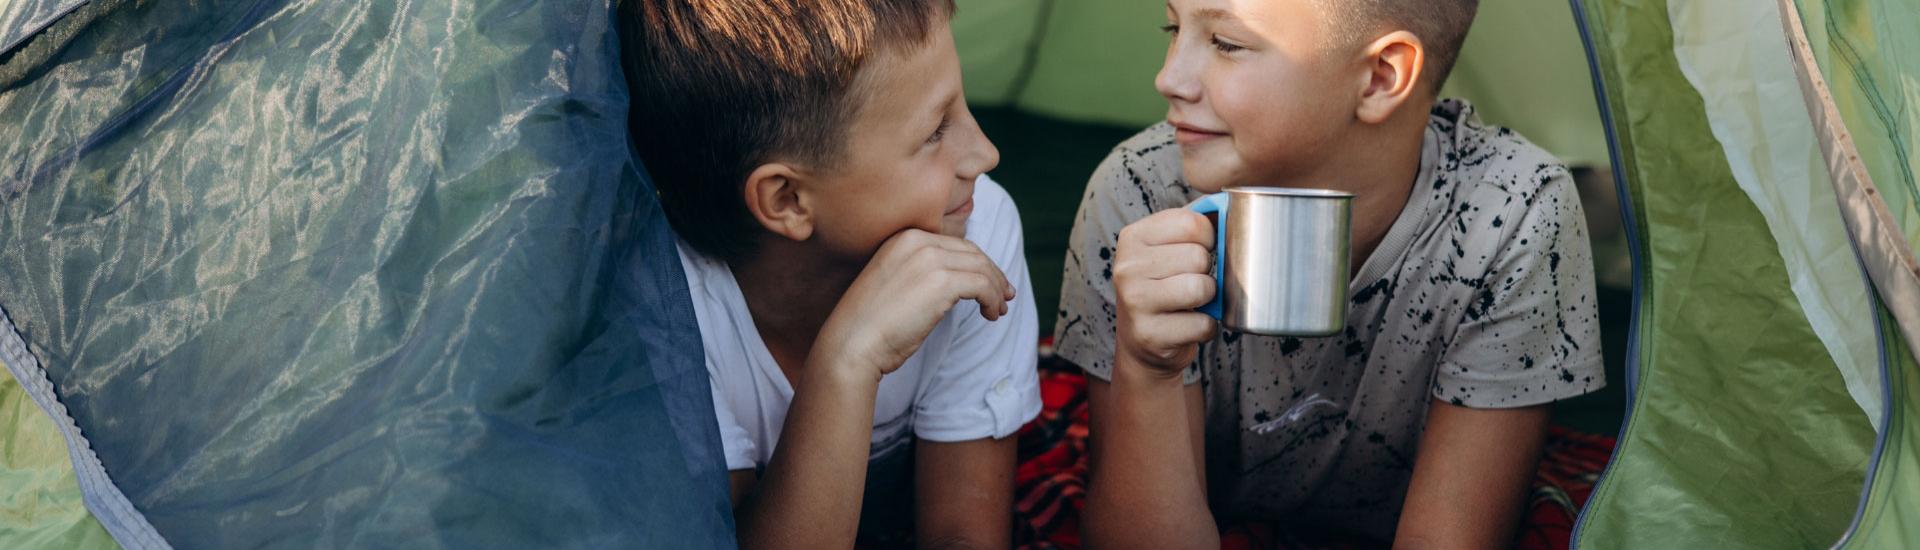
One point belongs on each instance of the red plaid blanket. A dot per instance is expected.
(1050, 484)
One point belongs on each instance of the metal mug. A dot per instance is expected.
(1280, 260)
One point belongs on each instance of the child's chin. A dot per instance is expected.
(1205, 182)
(1201, 173)
(954, 226)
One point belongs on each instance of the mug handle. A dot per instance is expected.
(1209, 204)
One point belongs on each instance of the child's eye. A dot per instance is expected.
(1226, 47)
(940, 132)
(1170, 28)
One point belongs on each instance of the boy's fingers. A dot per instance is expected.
(976, 277)
(1174, 294)
(981, 289)
(1178, 330)
(971, 258)
(1168, 337)
(960, 245)
(1161, 262)
(1191, 328)
(1188, 291)
(1169, 227)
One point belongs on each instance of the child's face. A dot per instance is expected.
(1257, 90)
(913, 151)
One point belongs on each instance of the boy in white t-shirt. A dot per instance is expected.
(859, 283)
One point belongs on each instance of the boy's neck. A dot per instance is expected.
(1378, 167)
(790, 291)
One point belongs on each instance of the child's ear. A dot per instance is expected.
(774, 198)
(1395, 64)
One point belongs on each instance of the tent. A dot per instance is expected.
(1763, 154)
(199, 316)
(339, 273)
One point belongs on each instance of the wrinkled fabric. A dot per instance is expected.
(1740, 431)
(356, 273)
(1859, 71)
(41, 506)
(1759, 117)
(20, 19)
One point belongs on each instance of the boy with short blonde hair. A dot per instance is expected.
(1471, 304)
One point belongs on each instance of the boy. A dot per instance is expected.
(1471, 306)
(858, 281)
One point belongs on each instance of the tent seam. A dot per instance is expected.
(1616, 147)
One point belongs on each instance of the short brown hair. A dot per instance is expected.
(1441, 24)
(720, 87)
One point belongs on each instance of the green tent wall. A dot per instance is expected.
(1765, 157)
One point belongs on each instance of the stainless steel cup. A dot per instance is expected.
(1281, 260)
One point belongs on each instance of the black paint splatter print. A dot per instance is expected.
(1480, 295)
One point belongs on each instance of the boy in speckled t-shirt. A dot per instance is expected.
(1471, 307)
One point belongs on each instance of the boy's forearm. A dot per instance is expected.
(963, 492)
(1148, 489)
(809, 496)
(1471, 476)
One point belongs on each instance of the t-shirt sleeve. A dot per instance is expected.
(987, 385)
(735, 442)
(1532, 336)
(1118, 194)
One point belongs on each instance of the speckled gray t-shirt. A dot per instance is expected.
(1480, 294)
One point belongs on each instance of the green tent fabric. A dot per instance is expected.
(339, 273)
(1740, 430)
(41, 507)
(1860, 61)
(1094, 60)
(1767, 170)
(1777, 294)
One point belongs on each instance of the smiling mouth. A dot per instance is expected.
(1188, 134)
(963, 209)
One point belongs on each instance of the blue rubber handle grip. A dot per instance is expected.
(1209, 204)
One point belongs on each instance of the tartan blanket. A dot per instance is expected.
(1050, 482)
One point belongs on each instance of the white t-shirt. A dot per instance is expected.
(971, 379)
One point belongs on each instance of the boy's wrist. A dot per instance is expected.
(1131, 370)
(838, 376)
(846, 356)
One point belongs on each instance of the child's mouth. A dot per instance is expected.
(1187, 135)
(962, 210)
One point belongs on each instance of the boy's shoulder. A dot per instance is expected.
(1141, 175)
(1482, 159)
(1155, 140)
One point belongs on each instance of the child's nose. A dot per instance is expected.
(1176, 80)
(982, 155)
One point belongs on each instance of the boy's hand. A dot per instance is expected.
(908, 286)
(1161, 272)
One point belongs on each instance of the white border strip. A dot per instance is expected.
(1882, 245)
(128, 526)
